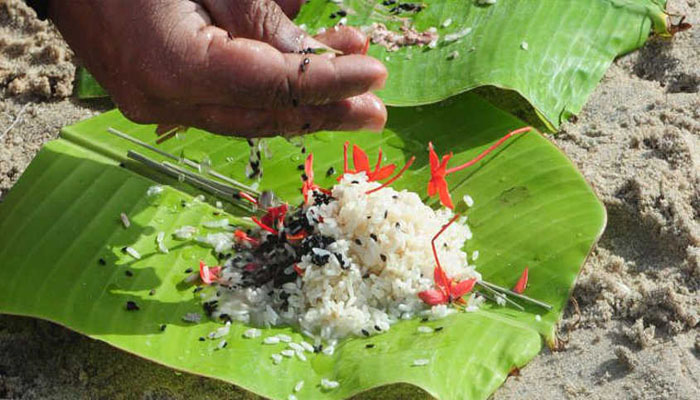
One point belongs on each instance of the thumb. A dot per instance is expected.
(262, 20)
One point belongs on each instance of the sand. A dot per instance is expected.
(637, 141)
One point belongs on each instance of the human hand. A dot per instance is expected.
(228, 66)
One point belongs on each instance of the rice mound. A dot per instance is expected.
(379, 261)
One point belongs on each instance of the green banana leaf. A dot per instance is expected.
(532, 208)
(570, 44)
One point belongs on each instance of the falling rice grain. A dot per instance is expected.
(299, 386)
(291, 397)
(453, 55)
(524, 45)
(447, 23)
(425, 329)
(276, 359)
(420, 362)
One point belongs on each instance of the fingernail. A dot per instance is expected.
(377, 115)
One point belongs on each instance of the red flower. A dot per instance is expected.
(519, 287)
(361, 163)
(308, 183)
(438, 171)
(447, 291)
(275, 216)
(209, 275)
(438, 168)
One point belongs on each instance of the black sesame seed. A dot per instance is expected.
(369, 345)
(183, 203)
(386, 214)
(304, 177)
(121, 164)
(355, 182)
(128, 273)
(383, 257)
(396, 196)
(424, 319)
(162, 327)
(201, 338)
(377, 328)
(225, 343)
(250, 142)
(332, 15)
(318, 349)
(364, 332)
(303, 149)
(132, 306)
(342, 13)
(398, 225)
(188, 270)
(198, 289)
(373, 236)
(216, 213)
(124, 249)
(300, 167)
(439, 328)
(330, 172)
(358, 242)
(102, 261)
(151, 292)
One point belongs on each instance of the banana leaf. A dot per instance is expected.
(552, 52)
(62, 258)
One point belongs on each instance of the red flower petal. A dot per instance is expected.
(441, 279)
(519, 287)
(463, 288)
(445, 197)
(207, 274)
(383, 173)
(359, 159)
(433, 297)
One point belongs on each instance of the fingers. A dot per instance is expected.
(360, 112)
(345, 39)
(262, 20)
(250, 74)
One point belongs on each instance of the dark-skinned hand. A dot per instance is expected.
(228, 66)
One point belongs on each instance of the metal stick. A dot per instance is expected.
(514, 304)
(199, 182)
(189, 163)
(517, 295)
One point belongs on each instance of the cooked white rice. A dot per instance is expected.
(380, 282)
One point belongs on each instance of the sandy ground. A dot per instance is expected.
(635, 335)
